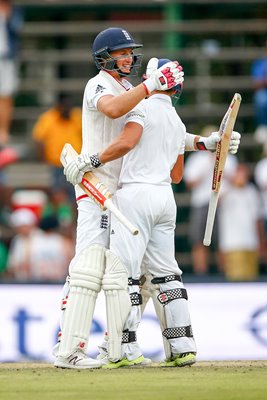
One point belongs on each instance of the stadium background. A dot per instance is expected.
(216, 43)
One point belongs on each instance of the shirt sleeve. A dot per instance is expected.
(137, 115)
(95, 90)
(182, 147)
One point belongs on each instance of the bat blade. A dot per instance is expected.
(226, 129)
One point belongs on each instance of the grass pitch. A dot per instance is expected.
(203, 381)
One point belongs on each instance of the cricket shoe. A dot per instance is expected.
(182, 360)
(124, 362)
(103, 357)
(77, 360)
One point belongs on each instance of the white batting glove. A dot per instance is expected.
(234, 142)
(211, 141)
(166, 77)
(75, 170)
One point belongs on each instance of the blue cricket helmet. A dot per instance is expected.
(109, 40)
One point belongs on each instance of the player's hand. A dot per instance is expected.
(212, 140)
(234, 142)
(72, 173)
(75, 170)
(166, 77)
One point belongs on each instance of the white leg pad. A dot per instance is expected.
(177, 317)
(118, 303)
(148, 291)
(85, 283)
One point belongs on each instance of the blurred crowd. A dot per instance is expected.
(239, 239)
(37, 226)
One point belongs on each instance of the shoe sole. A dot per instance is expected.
(180, 362)
(138, 362)
(70, 366)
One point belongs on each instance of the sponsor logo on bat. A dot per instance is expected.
(94, 192)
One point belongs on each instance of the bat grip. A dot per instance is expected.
(110, 206)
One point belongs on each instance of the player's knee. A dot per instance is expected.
(116, 273)
(88, 269)
(169, 288)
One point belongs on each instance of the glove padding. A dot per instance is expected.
(211, 141)
(234, 142)
(166, 77)
(75, 170)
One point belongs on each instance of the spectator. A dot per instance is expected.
(11, 21)
(37, 254)
(260, 175)
(57, 126)
(24, 223)
(3, 257)
(198, 173)
(55, 251)
(240, 227)
(59, 204)
(259, 76)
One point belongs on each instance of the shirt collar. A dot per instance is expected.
(162, 97)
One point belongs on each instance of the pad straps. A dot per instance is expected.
(172, 294)
(128, 336)
(165, 279)
(181, 331)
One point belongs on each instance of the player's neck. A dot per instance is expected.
(115, 75)
(122, 80)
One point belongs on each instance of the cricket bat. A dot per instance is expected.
(96, 190)
(226, 129)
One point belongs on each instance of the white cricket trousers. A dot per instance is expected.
(152, 209)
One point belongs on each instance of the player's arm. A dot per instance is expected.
(123, 143)
(178, 169)
(164, 78)
(195, 142)
(116, 106)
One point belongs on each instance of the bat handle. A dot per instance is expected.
(210, 218)
(110, 206)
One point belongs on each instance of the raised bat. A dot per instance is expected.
(226, 129)
(96, 190)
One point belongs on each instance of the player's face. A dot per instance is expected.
(124, 59)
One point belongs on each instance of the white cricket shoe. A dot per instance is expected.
(77, 360)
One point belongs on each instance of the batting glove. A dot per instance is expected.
(211, 141)
(234, 142)
(75, 170)
(166, 77)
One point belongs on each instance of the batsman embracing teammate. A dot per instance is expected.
(107, 98)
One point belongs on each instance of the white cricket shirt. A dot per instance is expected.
(239, 210)
(198, 172)
(260, 174)
(156, 153)
(97, 129)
